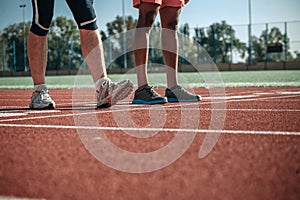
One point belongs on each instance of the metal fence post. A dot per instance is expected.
(182, 48)
(110, 52)
(72, 53)
(214, 44)
(4, 56)
(286, 42)
(58, 55)
(266, 43)
(14, 56)
(231, 47)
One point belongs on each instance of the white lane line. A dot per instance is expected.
(230, 97)
(18, 198)
(18, 113)
(265, 98)
(152, 129)
(288, 92)
(145, 108)
(8, 114)
(241, 109)
(92, 111)
(129, 108)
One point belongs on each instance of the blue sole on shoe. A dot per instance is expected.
(173, 100)
(138, 101)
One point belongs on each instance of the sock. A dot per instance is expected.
(40, 87)
(100, 81)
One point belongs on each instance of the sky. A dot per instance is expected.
(198, 13)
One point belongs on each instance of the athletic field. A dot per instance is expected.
(242, 141)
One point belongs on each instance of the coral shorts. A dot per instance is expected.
(162, 3)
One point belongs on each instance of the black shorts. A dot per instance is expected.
(83, 12)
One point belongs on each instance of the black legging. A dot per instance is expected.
(83, 12)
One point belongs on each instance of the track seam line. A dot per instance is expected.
(154, 129)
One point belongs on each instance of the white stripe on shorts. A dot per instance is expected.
(88, 22)
(36, 20)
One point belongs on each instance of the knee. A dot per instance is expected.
(89, 25)
(40, 25)
(171, 24)
(39, 30)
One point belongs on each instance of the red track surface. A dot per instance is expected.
(52, 163)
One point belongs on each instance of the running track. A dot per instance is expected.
(256, 157)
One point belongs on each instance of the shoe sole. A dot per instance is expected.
(138, 101)
(174, 100)
(48, 107)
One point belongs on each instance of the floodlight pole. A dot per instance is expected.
(22, 6)
(250, 33)
(124, 35)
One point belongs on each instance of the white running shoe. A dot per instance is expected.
(109, 93)
(41, 99)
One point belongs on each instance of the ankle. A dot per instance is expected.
(142, 87)
(40, 87)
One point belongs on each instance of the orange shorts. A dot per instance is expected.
(162, 3)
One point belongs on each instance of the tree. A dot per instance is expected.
(115, 31)
(258, 48)
(297, 58)
(64, 45)
(259, 45)
(185, 30)
(12, 38)
(219, 40)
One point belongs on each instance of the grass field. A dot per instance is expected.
(230, 79)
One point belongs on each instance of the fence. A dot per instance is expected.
(271, 44)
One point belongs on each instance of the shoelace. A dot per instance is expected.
(151, 92)
(183, 91)
(44, 95)
(109, 87)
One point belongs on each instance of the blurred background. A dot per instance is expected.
(237, 34)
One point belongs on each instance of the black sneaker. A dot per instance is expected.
(148, 96)
(179, 94)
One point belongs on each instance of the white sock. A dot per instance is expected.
(100, 81)
(40, 87)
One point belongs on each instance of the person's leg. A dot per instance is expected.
(37, 44)
(169, 21)
(108, 92)
(37, 47)
(92, 50)
(147, 15)
(145, 93)
(91, 44)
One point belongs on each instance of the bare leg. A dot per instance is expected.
(92, 50)
(147, 15)
(169, 19)
(37, 56)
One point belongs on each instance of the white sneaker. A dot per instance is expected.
(41, 99)
(109, 93)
